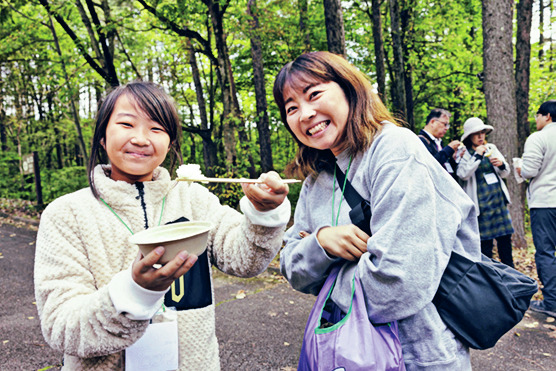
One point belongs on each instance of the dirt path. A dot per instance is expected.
(259, 323)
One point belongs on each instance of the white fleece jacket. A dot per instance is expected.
(81, 246)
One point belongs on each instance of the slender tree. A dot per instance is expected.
(407, 25)
(500, 93)
(541, 32)
(522, 69)
(72, 102)
(334, 20)
(374, 14)
(399, 95)
(303, 29)
(209, 147)
(260, 91)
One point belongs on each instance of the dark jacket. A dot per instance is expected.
(443, 156)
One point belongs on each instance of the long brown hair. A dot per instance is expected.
(366, 110)
(150, 99)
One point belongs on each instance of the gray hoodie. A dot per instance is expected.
(420, 215)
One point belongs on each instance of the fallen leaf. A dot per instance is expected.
(286, 343)
(551, 327)
(517, 333)
(550, 319)
(30, 317)
(13, 235)
(532, 325)
(291, 302)
(273, 314)
(240, 294)
(5, 341)
(547, 354)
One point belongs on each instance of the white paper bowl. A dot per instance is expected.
(190, 236)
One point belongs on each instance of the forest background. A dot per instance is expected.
(492, 59)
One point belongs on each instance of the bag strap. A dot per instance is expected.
(352, 197)
(425, 138)
(360, 213)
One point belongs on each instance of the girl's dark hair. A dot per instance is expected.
(150, 99)
(366, 110)
(548, 107)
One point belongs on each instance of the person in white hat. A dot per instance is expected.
(481, 170)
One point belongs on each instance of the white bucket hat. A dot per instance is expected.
(474, 125)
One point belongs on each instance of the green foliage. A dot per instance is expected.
(228, 193)
(443, 41)
(60, 182)
(12, 183)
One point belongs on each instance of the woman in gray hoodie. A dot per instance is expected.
(419, 213)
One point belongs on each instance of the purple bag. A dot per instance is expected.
(351, 342)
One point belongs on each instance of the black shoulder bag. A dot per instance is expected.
(478, 301)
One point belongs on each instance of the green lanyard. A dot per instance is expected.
(129, 229)
(334, 193)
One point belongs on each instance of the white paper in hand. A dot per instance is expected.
(517, 163)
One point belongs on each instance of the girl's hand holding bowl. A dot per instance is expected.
(150, 278)
(267, 195)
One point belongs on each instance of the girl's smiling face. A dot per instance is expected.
(317, 114)
(135, 144)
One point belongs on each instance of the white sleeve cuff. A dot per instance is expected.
(134, 301)
(272, 218)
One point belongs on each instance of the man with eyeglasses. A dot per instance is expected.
(438, 123)
(539, 165)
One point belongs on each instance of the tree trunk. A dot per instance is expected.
(334, 21)
(73, 106)
(303, 10)
(210, 157)
(3, 135)
(541, 33)
(500, 93)
(229, 101)
(399, 96)
(260, 91)
(379, 49)
(522, 75)
(522, 70)
(232, 119)
(407, 32)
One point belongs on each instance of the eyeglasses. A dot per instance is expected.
(446, 124)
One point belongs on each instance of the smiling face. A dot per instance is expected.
(317, 114)
(135, 144)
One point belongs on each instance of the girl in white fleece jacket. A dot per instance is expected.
(95, 293)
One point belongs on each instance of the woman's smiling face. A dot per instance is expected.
(317, 114)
